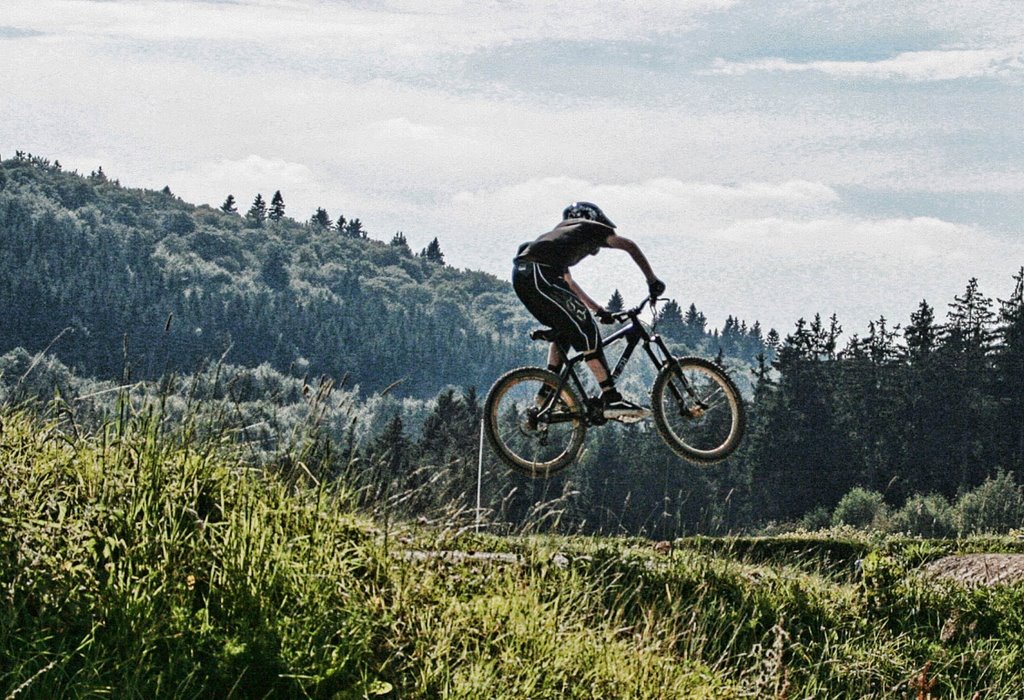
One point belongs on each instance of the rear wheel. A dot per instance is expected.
(535, 432)
(698, 410)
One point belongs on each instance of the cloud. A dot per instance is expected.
(397, 26)
(17, 33)
(660, 204)
(244, 178)
(772, 252)
(758, 196)
(1004, 63)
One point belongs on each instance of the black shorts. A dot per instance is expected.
(547, 296)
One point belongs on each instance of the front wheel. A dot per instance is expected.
(535, 432)
(698, 410)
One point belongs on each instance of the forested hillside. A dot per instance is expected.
(913, 426)
(113, 279)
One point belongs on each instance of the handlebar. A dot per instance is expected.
(631, 314)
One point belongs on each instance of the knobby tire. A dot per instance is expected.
(714, 434)
(523, 445)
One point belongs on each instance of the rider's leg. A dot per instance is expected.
(555, 358)
(555, 361)
(599, 367)
(615, 406)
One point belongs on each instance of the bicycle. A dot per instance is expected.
(536, 419)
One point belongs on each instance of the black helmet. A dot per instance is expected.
(586, 210)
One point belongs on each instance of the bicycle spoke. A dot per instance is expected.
(698, 410)
(534, 430)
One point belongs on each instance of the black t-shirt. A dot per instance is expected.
(567, 244)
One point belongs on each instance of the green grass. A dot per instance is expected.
(143, 562)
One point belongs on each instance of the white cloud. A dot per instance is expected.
(1005, 63)
(772, 252)
(244, 178)
(411, 28)
(420, 117)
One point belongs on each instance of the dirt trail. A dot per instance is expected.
(979, 569)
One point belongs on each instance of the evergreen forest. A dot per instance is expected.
(373, 359)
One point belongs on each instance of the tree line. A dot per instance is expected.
(117, 280)
(124, 285)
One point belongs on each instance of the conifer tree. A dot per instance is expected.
(320, 220)
(257, 213)
(696, 322)
(615, 303)
(399, 241)
(432, 253)
(229, 206)
(276, 212)
(354, 229)
(922, 333)
(670, 320)
(969, 319)
(1009, 363)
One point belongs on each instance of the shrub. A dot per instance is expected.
(862, 509)
(816, 519)
(925, 516)
(997, 505)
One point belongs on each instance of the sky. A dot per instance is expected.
(775, 159)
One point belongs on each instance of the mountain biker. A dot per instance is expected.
(543, 283)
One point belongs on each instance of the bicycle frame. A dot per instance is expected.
(634, 333)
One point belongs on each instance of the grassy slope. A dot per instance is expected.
(139, 563)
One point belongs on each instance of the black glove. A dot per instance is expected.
(605, 316)
(655, 288)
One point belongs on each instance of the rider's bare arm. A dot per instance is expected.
(578, 291)
(623, 243)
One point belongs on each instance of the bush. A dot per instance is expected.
(862, 509)
(816, 519)
(995, 506)
(925, 516)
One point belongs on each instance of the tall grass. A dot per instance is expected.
(148, 560)
(137, 563)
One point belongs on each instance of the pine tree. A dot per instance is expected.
(273, 269)
(670, 320)
(257, 213)
(696, 324)
(354, 229)
(432, 253)
(965, 358)
(1009, 364)
(922, 334)
(970, 319)
(229, 206)
(276, 207)
(762, 375)
(399, 241)
(390, 456)
(615, 303)
(320, 220)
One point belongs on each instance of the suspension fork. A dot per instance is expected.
(665, 360)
